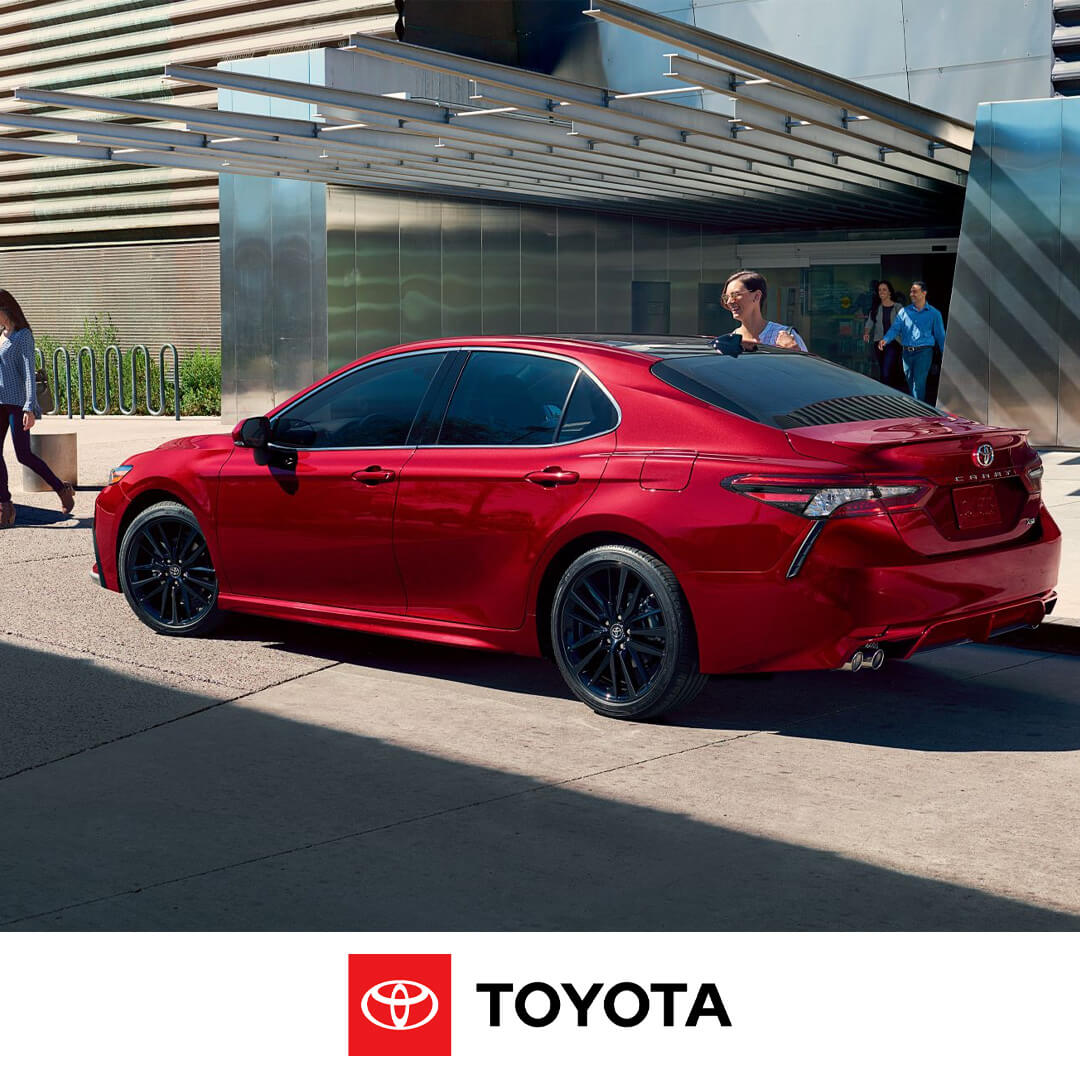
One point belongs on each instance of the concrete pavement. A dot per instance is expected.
(284, 777)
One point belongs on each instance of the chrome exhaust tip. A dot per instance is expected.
(869, 658)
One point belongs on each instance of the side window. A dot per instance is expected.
(588, 412)
(507, 399)
(371, 406)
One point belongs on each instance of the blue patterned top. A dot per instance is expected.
(17, 371)
(918, 329)
(772, 330)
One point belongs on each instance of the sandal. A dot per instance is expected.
(67, 498)
(7, 514)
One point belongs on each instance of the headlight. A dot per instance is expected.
(118, 472)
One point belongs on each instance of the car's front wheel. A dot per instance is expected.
(623, 636)
(166, 571)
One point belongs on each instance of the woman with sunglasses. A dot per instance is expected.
(19, 406)
(745, 293)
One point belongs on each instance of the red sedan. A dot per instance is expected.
(647, 514)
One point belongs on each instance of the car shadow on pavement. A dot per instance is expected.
(234, 817)
(913, 705)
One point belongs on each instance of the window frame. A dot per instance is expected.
(450, 356)
(582, 371)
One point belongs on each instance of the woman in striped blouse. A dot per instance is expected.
(19, 406)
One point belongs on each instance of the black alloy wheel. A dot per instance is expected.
(622, 634)
(166, 571)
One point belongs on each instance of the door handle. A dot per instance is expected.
(552, 476)
(374, 474)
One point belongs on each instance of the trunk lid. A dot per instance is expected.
(976, 501)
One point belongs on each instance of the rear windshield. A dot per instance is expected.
(784, 389)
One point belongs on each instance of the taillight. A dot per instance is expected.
(1034, 477)
(832, 496)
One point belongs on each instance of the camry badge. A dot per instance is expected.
(984, 455)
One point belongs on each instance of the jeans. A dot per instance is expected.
(916, 368)
(891, 366)
(11, 415)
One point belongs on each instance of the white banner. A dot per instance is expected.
(293, 1005)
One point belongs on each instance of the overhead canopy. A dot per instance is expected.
(801, 148)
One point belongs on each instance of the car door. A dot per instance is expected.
(522, 445)
(310, 520)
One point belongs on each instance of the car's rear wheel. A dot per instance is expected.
(166, 571)
(623, 636)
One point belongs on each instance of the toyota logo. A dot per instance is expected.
(984, 455)
(396, 1001)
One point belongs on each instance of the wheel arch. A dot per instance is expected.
(563, 555)
(142, 501)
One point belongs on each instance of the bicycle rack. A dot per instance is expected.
(113, 355)
(114, 351)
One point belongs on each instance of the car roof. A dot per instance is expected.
(620, 348)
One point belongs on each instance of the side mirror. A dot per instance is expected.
(728, 344)
(253, 432)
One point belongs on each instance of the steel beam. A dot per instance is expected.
(929, 125)
(756, 101)
(641, 116)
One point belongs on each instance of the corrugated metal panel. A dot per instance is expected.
(120, 50)
(153, 292)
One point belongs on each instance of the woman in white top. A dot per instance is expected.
(745, 293)
(19, 406)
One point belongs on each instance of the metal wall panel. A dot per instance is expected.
(965, 367)
(650, 250)
(227, 306)
(577, 272)
(684, 260)
(501, 268)
(421, 268)
(1002, 30)
(290, 297)
(317, 321)
(1025, 249)
(938, 53)
(377, 281)
(614, 272)
(1069, 309)
(461, 268)
(539, 270)
(251, 320)
(340, 276)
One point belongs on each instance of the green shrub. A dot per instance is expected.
(200, 384)
(200, 374)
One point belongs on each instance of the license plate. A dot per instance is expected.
(976, 507)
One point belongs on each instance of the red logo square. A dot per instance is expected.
(399, 1005)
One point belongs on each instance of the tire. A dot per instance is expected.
(622, 634)
(166, 572)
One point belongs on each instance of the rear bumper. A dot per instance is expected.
(764, 622)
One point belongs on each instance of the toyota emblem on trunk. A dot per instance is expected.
(984, 455)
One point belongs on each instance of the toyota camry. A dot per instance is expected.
(646, 513)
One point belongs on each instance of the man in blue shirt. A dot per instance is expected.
(919, 328)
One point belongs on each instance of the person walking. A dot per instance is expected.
(883, 310)
(919, 327)
(19, 406)
(745, 293)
